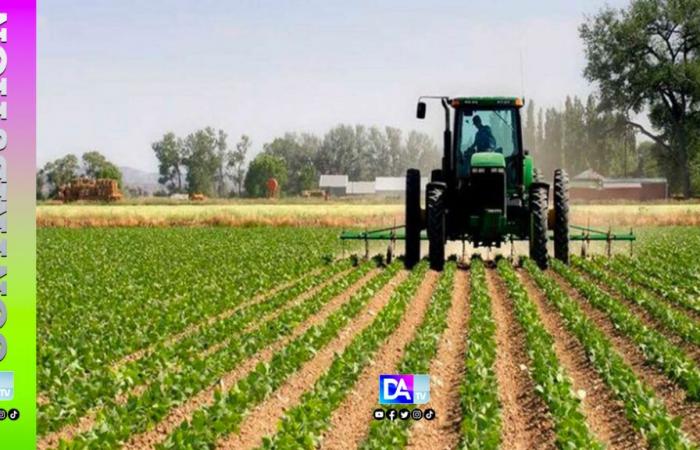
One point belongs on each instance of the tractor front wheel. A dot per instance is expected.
(561, 216)
(538, 224)
(413, 218)
(435, 201)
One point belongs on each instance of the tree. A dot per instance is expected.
(169, 154)
(297, 153)
(530, 129)
(40, 182)
(261, 169)
(647, 58)
(95, 166)
(236, 159)
(202, 160)
(60, 172)
(222, 156)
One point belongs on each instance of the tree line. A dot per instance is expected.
(203, 163)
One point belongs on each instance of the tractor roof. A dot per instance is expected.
(487, 101)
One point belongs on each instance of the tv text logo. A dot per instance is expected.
(405, 389)
(7, 385)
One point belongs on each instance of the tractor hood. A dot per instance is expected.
(488, 159)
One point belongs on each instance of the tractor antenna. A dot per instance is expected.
(522, 75)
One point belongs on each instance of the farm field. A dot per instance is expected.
(327, 214)
(257, 337)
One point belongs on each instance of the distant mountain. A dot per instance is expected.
(147, 181)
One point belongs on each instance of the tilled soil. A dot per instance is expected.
(205, 398)
(446, 375)
(692, 351)
(673, 396)
(87, 421)
(604, 414)
(525, 418)
(350, 421)
(263, 419)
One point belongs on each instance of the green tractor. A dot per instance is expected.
(487, 191)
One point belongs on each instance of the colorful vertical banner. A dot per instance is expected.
(17, 224)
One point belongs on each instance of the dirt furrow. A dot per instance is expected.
(525, 420)
(87, 421)
(212, 320)
(693, 351)
(350, 421)
(446, 375)
(263, 419)
(666, 390)
(205, 398)
(604, 414)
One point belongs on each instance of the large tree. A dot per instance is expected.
(202, 160)
(60, 172)
(646, 57)
(261, 169)
(95, 166)
(170, 168)
(236, 159)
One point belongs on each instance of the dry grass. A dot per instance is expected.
(327, 214)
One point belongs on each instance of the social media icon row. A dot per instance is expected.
(404, 414)
(407, 389)
(12, 414)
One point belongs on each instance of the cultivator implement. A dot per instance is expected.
(582, 234)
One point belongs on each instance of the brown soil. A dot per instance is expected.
(263, 419)
(205, 398)
(525, 418)
(350, 422)
(604, 414)
(87, 421)
(691, 350)
(666, 390)
(446, 374)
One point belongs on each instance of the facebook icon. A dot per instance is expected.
(7, 386)
(405, 389)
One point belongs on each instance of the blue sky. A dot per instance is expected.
(115, 75)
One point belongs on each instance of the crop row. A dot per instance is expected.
(416, 358)
(675, 321)
(481, 427)
(553, 384)
(657, 349)
(104, 293)
(85, 392)
(303, 425)
(661, 278)
(174, 388)
(644, 410)
(210, 423)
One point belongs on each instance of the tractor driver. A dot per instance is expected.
(484, 140)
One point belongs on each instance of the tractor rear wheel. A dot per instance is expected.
(413, 218)
(435, 201)
(538, 225)
(561, 216)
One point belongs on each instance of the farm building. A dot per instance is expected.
(335, 185)
(339, 185)
(592, 186)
